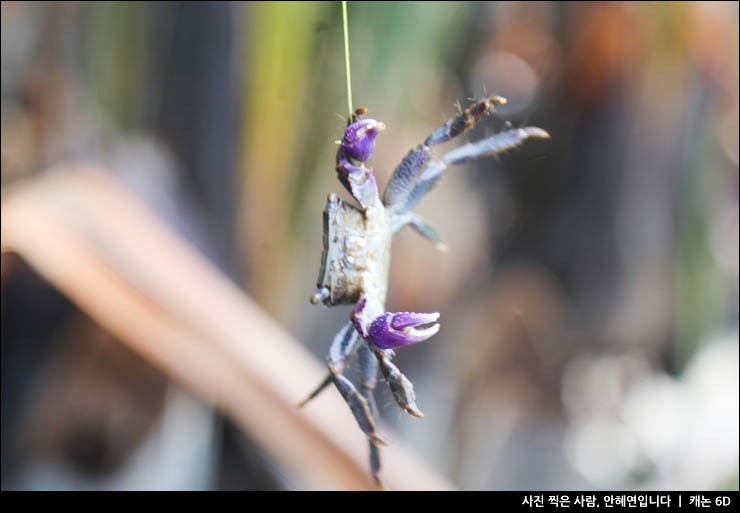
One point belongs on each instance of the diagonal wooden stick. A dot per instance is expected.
(93, 240)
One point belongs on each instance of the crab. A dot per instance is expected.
(356, 256)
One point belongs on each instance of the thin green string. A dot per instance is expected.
(346, 57)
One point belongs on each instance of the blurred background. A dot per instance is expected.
(589, 299)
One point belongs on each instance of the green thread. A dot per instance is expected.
(346, 57)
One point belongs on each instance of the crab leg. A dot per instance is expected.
(465, 121)
(340, 352)
(403, 390)
(360, 408)
(369, 378)
(407, 172)
(494, 145)
(342, 347)
(325, 383)
(344, 344)
(419, 224)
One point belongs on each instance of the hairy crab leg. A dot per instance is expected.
(488, 147)
(342, 347)
(419, 224)
(369, 379)
(360, 408)
(403, 390)
(405, 175)
(325, 383)
(494, 145)
(466, 120)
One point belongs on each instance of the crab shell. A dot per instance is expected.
(356, 254)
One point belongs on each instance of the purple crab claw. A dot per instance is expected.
(393, 330)
(359, 139)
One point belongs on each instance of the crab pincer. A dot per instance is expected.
(394, 330)
(358, 142)
(355, 148)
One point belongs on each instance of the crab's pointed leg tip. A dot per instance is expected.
(499, 100)
(304, 402)
(380, 484)
(414, 412)
(377, 440)
(537, 133)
